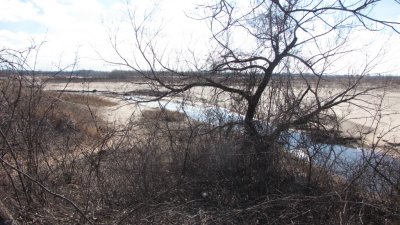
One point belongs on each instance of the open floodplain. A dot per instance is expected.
(373, 117)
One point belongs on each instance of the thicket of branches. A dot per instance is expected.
(61, 164)
(167, 168)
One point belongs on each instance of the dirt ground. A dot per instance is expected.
(379, 123)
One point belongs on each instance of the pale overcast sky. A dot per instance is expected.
(80, 28)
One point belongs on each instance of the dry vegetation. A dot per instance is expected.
(86, 99)
(162, 115)
(62, 162)
(62, 165)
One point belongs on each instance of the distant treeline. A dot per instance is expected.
(121, 75)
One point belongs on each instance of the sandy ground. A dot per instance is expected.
(377, 120)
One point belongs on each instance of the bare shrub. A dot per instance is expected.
(42, 139)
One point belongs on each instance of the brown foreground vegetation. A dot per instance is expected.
(61, 164)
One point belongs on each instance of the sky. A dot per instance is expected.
(71, 31)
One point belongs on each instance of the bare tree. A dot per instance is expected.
(275, 61)
(254, 42)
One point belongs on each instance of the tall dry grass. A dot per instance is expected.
(87, 99)
(162, 115)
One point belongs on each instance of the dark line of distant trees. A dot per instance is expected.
(115, 75)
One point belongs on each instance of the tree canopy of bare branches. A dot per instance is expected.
(254, 41)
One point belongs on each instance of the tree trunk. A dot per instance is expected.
(251, 130)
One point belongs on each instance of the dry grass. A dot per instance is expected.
(80, 117)
(163, 115)
(71, 113)
(85, 99)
